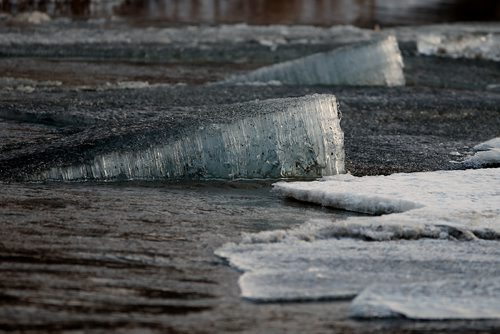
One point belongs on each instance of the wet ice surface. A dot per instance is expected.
(326, 259)
(377, 63)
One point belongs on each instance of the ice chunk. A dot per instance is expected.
(373, 63)
(342, 268)
(278, 138)
(487, 155)
(472, 45)
(474, 298)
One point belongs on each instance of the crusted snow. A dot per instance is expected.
(275, 138)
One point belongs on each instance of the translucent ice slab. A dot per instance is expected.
(279, 138)
(374, 63)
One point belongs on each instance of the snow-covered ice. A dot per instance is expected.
(277, 138)
(374, 63)
(435, 226)
(341, 268)
(272, 35)
(440, 300)
(466, 200)
(472, 45)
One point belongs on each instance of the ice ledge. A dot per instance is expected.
(277, 138)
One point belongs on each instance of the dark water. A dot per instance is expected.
(364, 13)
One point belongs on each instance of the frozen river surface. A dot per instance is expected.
(140, 256)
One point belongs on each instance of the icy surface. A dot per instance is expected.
(440, 300)
(436, 226)
(342, 268)
(482, 46)
(373, 63)
(271, 36)
(487, 155)
(291, 137)
(465, 200)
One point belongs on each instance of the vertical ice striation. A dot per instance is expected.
(278, 138)
(374, 63)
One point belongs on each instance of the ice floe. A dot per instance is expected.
(373, 63)
(432, 227)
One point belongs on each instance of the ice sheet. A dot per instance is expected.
(438, 204)
(441, 300)
(436, 226)
(341, 268)
(373, 63)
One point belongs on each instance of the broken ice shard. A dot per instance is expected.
(277, 138)
(374, 63)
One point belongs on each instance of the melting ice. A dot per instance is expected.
(437, 227)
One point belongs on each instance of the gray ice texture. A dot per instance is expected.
(276, 138)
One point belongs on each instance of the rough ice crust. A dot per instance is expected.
(442, 204)
(278, 138)
(374, 63)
